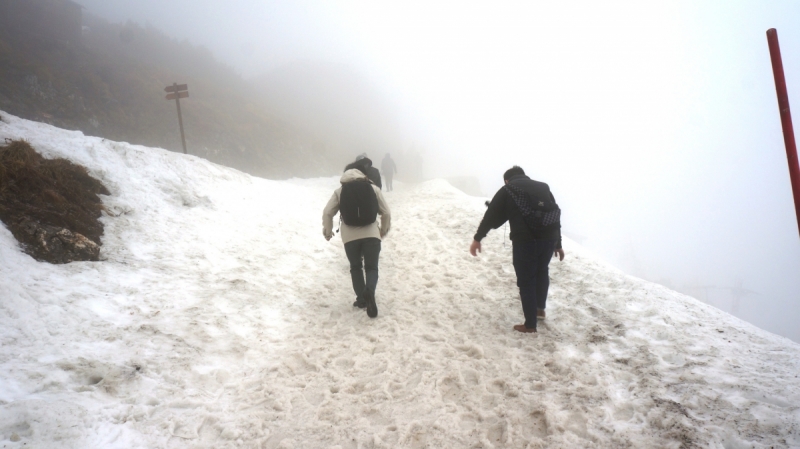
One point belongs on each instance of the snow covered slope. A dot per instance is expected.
(220, 318)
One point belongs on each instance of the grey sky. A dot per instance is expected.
(656, 125)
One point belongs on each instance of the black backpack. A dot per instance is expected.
(358, 204)
(539, 214)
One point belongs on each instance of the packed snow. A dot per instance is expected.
(220, 317)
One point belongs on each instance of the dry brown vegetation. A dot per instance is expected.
(47, 194)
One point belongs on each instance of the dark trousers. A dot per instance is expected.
(369, 250)
(531, 261)
(388, 179)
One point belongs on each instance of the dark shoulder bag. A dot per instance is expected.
(538, 214)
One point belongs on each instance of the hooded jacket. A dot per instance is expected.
(365, 164)
(502, 209)
(350, 233)
(374, 176)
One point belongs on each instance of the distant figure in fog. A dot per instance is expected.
(388, 168)
(372, 173)
(535, 221)
(359, 203)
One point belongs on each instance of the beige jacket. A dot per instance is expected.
(350, 233)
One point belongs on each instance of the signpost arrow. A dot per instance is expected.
(176, 88)
(176, 92)
(177, 95)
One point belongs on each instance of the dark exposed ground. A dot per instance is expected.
(51, 206)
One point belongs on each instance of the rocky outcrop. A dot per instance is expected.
(54, 244)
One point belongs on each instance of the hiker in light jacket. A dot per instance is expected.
(360, 242)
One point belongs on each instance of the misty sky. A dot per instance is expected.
(656, 125)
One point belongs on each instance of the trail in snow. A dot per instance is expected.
(221, 317)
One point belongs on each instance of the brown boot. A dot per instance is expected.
(540, 314)
(523, 329)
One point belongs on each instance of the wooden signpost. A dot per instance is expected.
(176, 92)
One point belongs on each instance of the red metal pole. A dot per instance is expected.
(786, 118)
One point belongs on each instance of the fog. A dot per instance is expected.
(656, 125)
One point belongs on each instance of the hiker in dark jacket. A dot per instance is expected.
(372, 173)
(361, 243)
(532, 249)
(388, 168)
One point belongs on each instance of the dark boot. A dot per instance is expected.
(372, 308)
